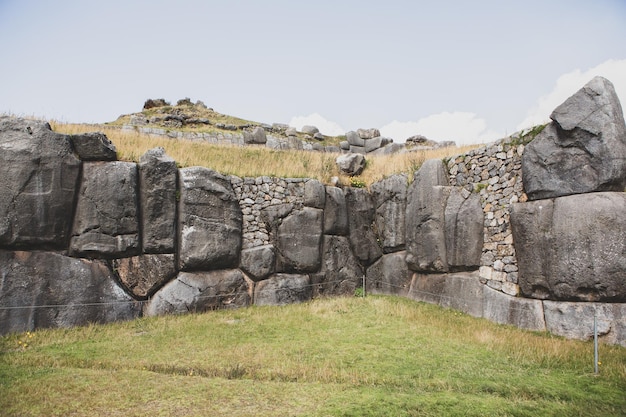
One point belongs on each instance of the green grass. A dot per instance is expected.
(373, 356)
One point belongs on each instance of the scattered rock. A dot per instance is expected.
(310, 130)
(351, 164)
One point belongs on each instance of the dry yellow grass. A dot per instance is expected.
(254, 161)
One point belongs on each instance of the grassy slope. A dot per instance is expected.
(254, 161)
(378, 356)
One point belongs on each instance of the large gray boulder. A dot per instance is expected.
(460, 291)
(94, 146)
(354, 139)
(106, 223)
(335, 212)
(463, 229)
(281, 289)
(47, 289)
(425, 218)
(351, 163)
(341, 272)
(158, 180)
(210, 221)
(389, 197)
(39, 178)
(576, 320)
(314, 194)
(255, 136)
(298, 241)
(201, 291)
(258, 262)
(363, 240)
(368, 133)
(582, 150)
(389, 275)
(143, 275)
(572, 248)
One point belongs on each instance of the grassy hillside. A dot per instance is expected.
(253, 161)
(374, 356)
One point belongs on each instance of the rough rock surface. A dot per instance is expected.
(314, 194)
(363, 240)
(389, 197)
(143, 275)
(298, 241)
(335, 212)
(575, 320)
(572, 248)
(158, 178)
(583, 150)
(389, 275)
(520, 312)
(39, 179)
(340, 273)
(258, 262)
(107, 216)
(463, 229)
(351, 163)
(255, 136)
(460, 291)
(94, 147)
(210, 221)
(74, 292)
(281, 289)
(201, 291)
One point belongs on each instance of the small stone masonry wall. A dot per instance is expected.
(86, 238)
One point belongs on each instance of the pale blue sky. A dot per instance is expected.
(458, 70)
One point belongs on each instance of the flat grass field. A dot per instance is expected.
(353, 356)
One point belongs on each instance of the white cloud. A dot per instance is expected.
(462, 127)
(567, 84)
(325, 126)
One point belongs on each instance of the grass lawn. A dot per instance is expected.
(373, 356)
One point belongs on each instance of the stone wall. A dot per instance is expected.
(86, 238)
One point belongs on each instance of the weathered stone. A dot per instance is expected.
(52, 290)
(520, 312)
(572, 248)
(39, 178)
(210, 221)
(314, 194)
(354, 139)
(368, 133)
(281, 289)
(389, 275)
(583, 150)
(158, 179)
(344, 145)
(335, 212)
(351, 163)
(373, 144)
(255, 136)
(106, 223)
(291, 131)
(143, 275)
(357, 150)
(310, 130)
(202, 291)
(361, 212)
(460, 291)
(389, 197)
(463, 230)
(340, 272)
(298, 241)
(94, 147)
(258, 262)
(575, 320)
(425, 228)
(431, 173)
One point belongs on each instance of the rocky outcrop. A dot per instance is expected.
(210, 221)
(107, 214)
(582, 150)
(39, 174)
(572, 248)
